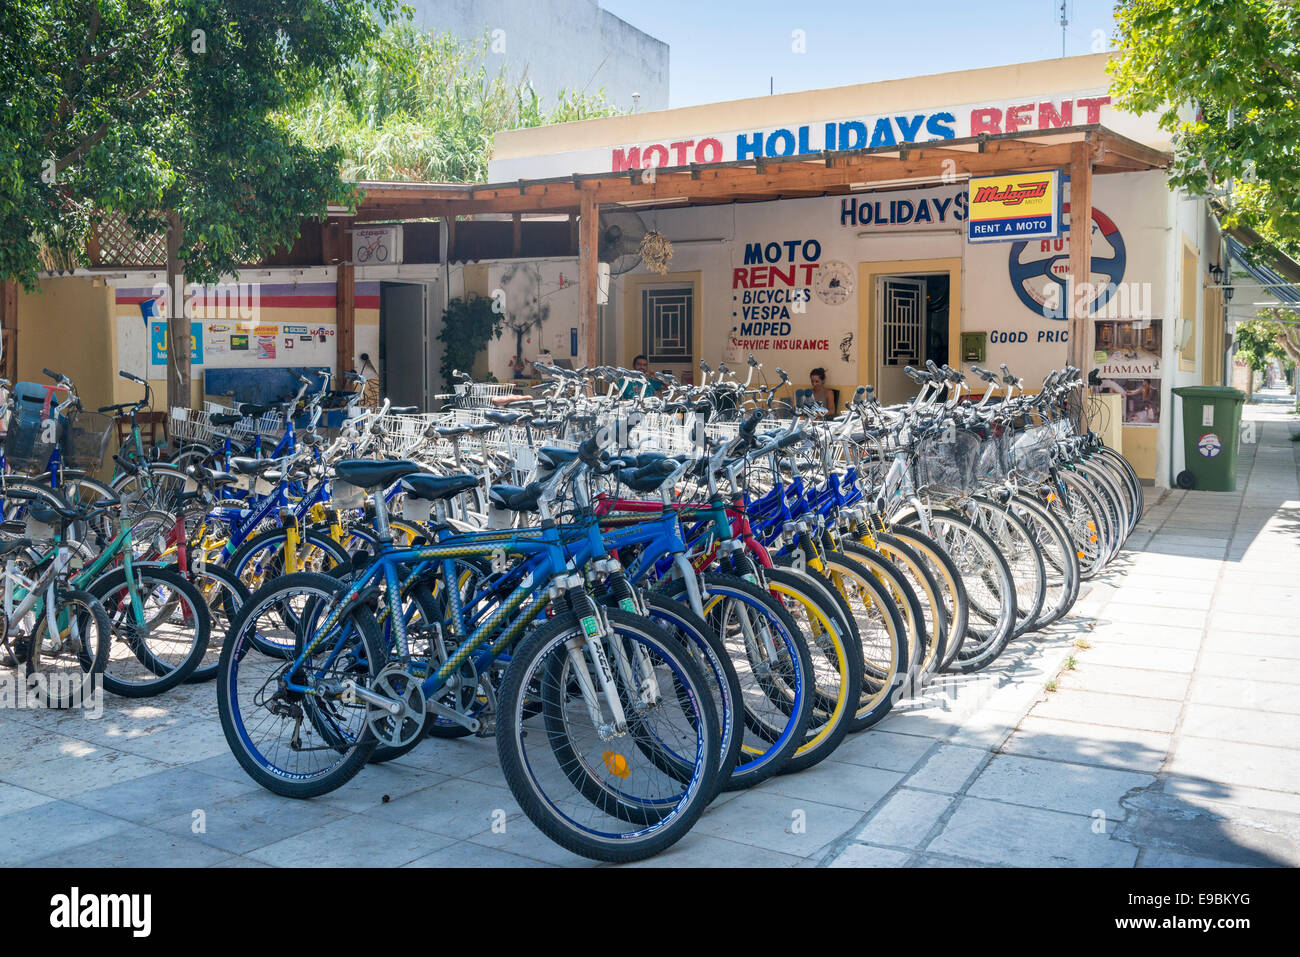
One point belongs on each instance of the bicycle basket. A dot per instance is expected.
(1031, 454)
(85, 440)
(30, 441)
(993, 462)
(946, 462)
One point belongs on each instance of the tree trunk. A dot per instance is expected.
(178, 326)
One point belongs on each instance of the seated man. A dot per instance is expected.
(633, 388)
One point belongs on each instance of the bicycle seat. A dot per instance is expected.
(373, 473)
(483, 428)
(551, 457)
(251, 466)
(14, 544)
(647, 478)
(547, 425)
(514, 498)
(434, 488)
(248, 410)
(224, 418)
(211, 477)
(503, 418)
(48, 513)
(452, 431)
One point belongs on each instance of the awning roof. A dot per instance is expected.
(1278, 286)
(832, 172)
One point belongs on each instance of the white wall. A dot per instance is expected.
(1136, 203)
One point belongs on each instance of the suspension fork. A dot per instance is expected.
(593, 629)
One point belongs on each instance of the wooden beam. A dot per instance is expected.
(588, 246)
(9, 329)
(1079, 291)
(345, 318)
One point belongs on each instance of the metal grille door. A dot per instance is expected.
(667, 315)
(902, 321)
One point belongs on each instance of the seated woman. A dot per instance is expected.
(830, 398)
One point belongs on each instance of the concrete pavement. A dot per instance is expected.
(1170, 740)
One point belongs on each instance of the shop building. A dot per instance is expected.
(826, 229)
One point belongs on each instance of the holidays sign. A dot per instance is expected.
(1015, 207)
(812, 134)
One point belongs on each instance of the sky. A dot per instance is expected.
(728, 50)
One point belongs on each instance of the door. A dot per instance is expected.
(403, 343)
(900, 335)
(668, 327)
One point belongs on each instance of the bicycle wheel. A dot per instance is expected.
(837, 665)
(990, 589)
(63, 670)
(702, 642)
(160, 628)
(886, 655)
(899, 585)
(773, 666)
(261, 560)
(224, 595)
(925, 585)
(1084, 516)
(1125, 468)
(1060, 562)
(295, 742)
(952, 590)
(584, 778)
(155, 486)
(1020, 549)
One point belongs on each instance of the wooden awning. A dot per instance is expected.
(764, 179)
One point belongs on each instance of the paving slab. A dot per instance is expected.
(1013, 836)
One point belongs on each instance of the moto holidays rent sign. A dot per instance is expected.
(847, 133)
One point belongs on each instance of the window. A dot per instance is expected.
(667, 317)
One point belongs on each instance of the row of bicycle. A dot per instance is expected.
(679, 594)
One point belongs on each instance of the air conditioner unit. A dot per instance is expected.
(602, 284)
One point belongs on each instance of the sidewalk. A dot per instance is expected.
(1172, 738)
(1173, 735)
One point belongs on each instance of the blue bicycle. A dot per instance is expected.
(624, 749)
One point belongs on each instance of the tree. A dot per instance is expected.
(166, 114)
(1225, 79)
(425, 107)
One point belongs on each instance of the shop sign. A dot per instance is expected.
(1021, 206)
(814, 134)
(1040, 269)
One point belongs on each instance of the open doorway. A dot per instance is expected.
(410, 317)
(911, 325)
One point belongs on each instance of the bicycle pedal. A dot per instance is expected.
(487, 727)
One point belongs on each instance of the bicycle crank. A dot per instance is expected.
(398, 717)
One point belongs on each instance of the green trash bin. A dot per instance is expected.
(1211, 436)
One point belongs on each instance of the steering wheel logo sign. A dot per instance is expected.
(1040, 269)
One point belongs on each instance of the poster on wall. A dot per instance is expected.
(791, 303)
(266, 347)
(158, 343)
(1128, 362)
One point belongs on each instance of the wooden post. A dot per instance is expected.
(516, 234)
(9, 329)
(345, 332)
(1079, 322)
(179, 392)
(588, 246)
(573, 231)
